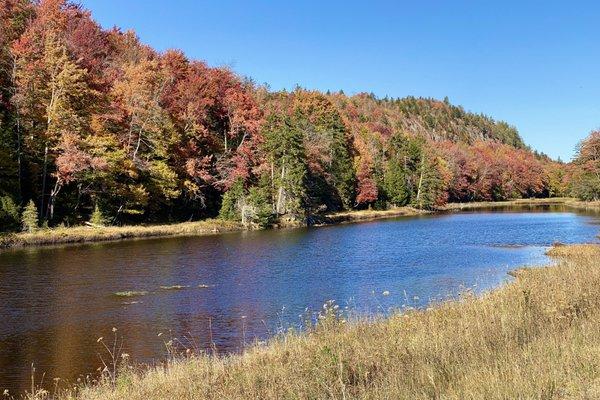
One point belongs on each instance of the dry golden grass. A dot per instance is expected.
(583, 205)
(84, 234)
(366, 215)
(510, 203)
(535, 338)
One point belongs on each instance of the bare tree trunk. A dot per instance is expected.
(18, 130)
(49, 112)
(421, 181)
(44, 173)
(19, 155)
(130, 133)
(137, 147)
(281, 193)
(52, 201)
(244, 136)
(139, 141)
(272, 185)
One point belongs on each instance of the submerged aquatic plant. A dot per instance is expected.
(131, 293)
(174, 287)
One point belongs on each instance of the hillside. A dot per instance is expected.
(93, 119)
(439, 120)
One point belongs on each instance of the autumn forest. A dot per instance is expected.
(94, 121)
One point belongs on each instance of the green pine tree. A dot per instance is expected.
(402, 171)
(29, 218)
(259, 199)
(97, 217)
(285, 146)
(342, 168)
(230, 210)
(430, 187)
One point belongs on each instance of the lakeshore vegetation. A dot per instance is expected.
(537, 337)
(101, 233)
(96, 127)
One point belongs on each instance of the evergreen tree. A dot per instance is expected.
(97, 217)
(285, 147)
(431, 189)
(400, 175)
(259, 201)
(232, 199)
(342, 168)
(29, 219)
(395, 183)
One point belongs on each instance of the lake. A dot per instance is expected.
(240, 287)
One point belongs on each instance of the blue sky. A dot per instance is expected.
(535, 64)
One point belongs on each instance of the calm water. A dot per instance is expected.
(56, 302)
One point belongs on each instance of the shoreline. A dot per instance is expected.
(349, 217)
(483, 205)
(545, 320)
(86, 234)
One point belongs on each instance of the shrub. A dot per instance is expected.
(9, 214)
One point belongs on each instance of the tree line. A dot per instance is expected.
(93, 123)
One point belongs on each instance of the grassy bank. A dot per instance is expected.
(535, 338)
(84, 234)
(583, 205)
(368, 215)
(482, 205)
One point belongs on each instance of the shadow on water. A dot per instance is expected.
(229, 289)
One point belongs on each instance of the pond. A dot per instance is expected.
(227, 290)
